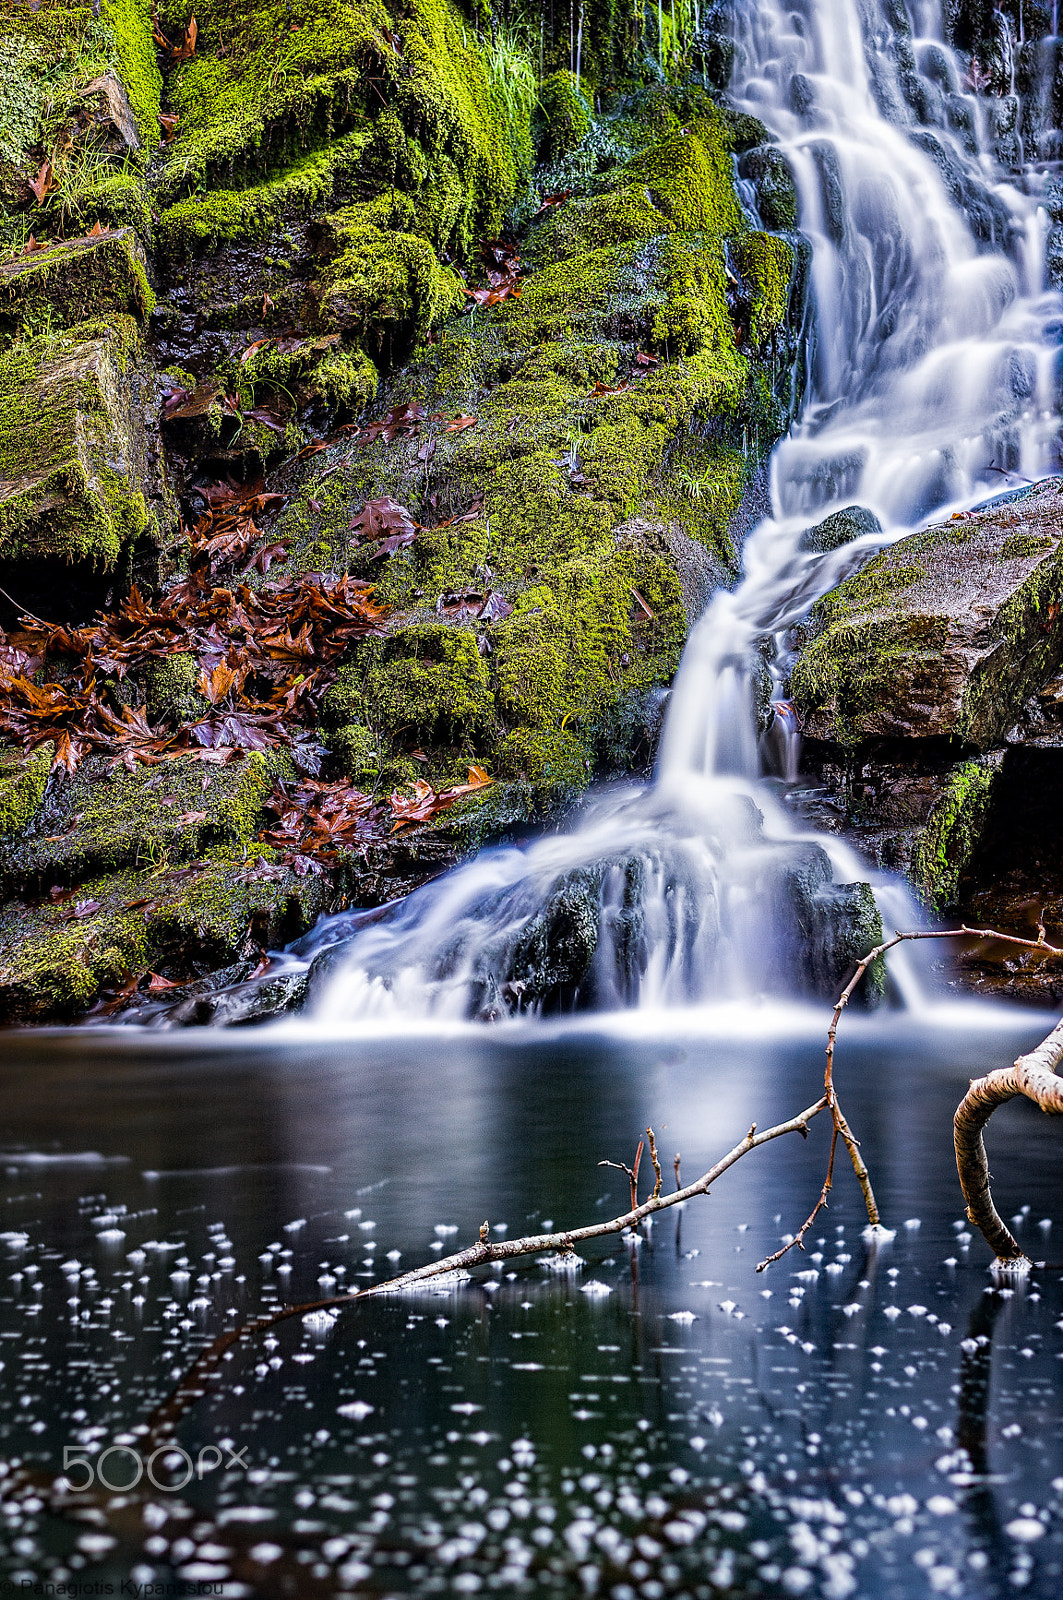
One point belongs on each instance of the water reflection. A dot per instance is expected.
(865, 1421)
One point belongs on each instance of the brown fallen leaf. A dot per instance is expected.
(85, 908)
(157, 983)
(43, 184)
(190, 818)
(169, 121)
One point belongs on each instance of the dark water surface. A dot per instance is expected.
(869, 1421)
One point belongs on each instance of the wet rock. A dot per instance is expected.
(554, 951)
(107, 117)
(943, 635)
(854, 522)
(241, 1004)
(824, 928)
(81, 477)
(769, 171)
(65, 282)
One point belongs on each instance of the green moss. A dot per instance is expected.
(205, 222)
(298, 74)
(952, 832)
(171, 688)
(1018, 546)
(690, 177)
(428, 681)
(385, 286)
(57, 285)
(67, 412)
(22, 781)
(564, 119)
(554, 764)
(767, 265)
(619, 217)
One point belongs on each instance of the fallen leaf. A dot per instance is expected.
(85, 908)
(43, 184)
(190, 818)
(156, 983)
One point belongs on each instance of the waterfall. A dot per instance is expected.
(931, 374)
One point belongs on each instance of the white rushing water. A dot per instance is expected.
(931, 380)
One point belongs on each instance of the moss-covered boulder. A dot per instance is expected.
(942, 636)
(80, 473)
(53, 287)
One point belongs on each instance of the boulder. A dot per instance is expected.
(840, 528)
(81, 477)
(944, 635)
(99, 274)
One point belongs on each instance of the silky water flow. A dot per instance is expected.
(931, 379)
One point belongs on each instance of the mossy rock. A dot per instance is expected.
(22, 785)
(182, 923)
(80, 480)
(305, 74)
(54, 287)
(953, 831)
(564, 116)
(148, 819)
(943, 635)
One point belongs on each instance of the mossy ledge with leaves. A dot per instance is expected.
(350, 310)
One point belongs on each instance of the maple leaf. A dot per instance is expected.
(131, 736)
(32, 244)
(216, 685)
(97, 231)
(43, 184)
(400, 422)
(158, 984)
(385, 519)
(169, 121)
(264, 558)
(427, 802)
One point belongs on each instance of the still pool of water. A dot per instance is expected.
(858, 1420)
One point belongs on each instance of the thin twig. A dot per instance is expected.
(799, 1236)
(656, 1163)
(632, 1173)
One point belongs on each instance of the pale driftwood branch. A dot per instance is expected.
(483, 1253)
(1033, 1076)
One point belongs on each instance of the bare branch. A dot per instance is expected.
(193, 1385)
(1032, 1076)
(656, 1163)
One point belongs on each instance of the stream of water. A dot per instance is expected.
(933, 377)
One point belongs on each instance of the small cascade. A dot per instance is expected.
(932, 386)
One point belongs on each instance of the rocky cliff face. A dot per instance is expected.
(293, 292)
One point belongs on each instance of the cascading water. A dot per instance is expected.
(932, 373)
